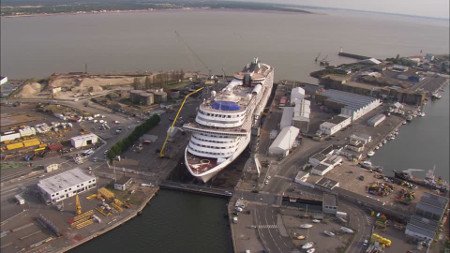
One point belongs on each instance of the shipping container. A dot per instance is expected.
(32, 142)
(9, 137)
(39, 149)
(14, 146)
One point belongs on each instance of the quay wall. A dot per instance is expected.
(113, 226)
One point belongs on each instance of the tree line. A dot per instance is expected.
(123, 145)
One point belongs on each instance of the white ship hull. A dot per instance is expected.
(222, 130)
(206, 176)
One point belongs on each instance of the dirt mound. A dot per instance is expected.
(95, 89)
(30, 90)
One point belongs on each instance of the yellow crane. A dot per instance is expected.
(77, 205)
(162, 151)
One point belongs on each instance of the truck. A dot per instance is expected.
(20, 200)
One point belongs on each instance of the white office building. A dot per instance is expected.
(84, 140)
(335, 124)
(65, 185)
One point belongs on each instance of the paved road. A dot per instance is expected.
(269, 232)
(359, 221)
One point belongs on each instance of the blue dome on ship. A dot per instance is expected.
(225, 106)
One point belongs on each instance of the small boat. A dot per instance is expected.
(404, 122)
(300, 237)
(384, 141)
(366, 164)
(422, 114)
(308, 245)
(316, 221)
(329, 233)
(378, 169)
(436, 96)
(347, 230)
(311, 250)
(306, 226)
(377, 147)
(409, 118)
(370, 153)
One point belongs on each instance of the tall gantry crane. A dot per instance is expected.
(193, 53)
(171, 128)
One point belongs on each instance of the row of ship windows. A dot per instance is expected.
(211, 153)
(221, 115)
(214, 147)
(75, 191)
(213, 141)
(214, 136)
(219, 121)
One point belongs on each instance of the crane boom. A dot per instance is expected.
(162, 151)
(77, 205)
(317, 57)
(193, 53)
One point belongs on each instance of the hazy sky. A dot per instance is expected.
(427, 8)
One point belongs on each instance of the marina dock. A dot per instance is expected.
(354, 56)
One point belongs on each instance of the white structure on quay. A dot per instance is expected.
(353, 105)
(65, 185)
(335, 124)
(284, 141)
(298, 115)
(83, 140)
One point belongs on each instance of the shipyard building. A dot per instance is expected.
(284, 141)
(351, 107)
(65, 185)
(298, 115)
(84, 140)
(424, 224)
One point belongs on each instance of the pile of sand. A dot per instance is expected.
(95, 89)
(30, 90)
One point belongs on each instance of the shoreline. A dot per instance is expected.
(113, 226)
(151, 10)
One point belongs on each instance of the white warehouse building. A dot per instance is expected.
(302, 110)
(284, 141)
(65, 185)
(84, 140)
(335, 124)
(297, 93)
(354, 105)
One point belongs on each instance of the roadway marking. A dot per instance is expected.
(268, 226)
(270, 233)
(13, 189)
(283, 177)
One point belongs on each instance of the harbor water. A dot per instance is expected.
(146, 41)
(420, 144)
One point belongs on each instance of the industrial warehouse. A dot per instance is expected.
(284, 141)
(351, 107)
(84, 140)
(65, 185)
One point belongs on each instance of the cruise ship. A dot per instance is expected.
(222, 128)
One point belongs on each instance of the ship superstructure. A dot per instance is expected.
(222, 127)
